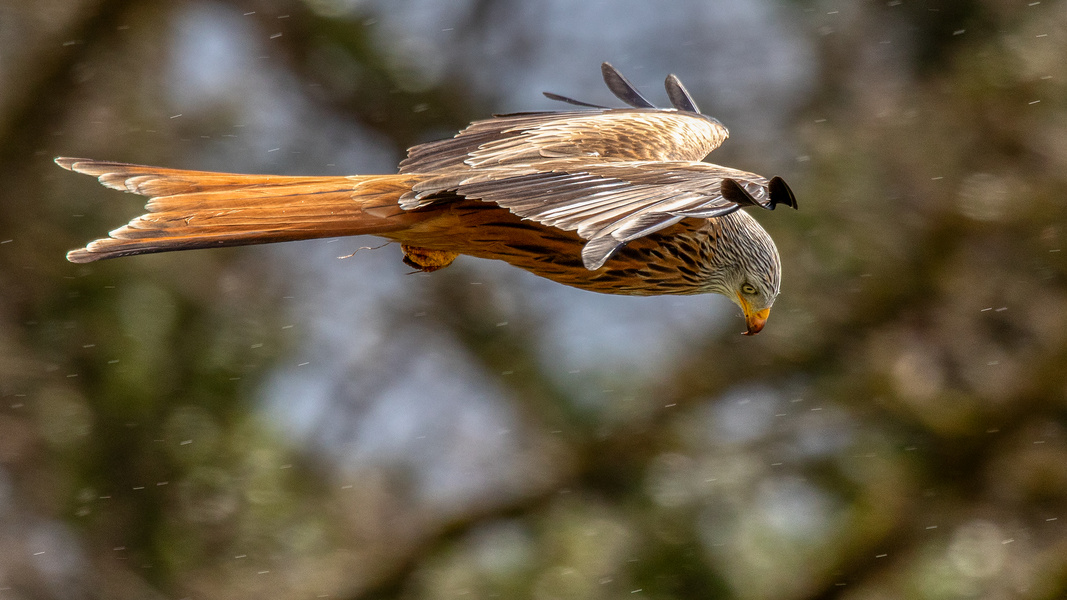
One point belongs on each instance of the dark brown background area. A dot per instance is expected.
(276, 422)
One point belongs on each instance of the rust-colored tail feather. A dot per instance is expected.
(198, 209)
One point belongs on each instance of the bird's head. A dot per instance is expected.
(750, 270)
(755, 298)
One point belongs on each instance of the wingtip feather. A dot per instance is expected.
(622, 88)
(782, 194)
(66, 162)
(598, 250)
(81, 256)
(679, 96)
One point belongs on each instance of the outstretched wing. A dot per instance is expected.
(641, 133)
(609, 203)
(611, 175)
(605, 134)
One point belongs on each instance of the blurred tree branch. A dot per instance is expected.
(39, 101)
(377, 99)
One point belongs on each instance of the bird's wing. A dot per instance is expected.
(608, 203)
(632, 134)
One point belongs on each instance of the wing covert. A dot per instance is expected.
(606, 134)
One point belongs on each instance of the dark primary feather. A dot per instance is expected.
(767, 196)
(560, 98)
(622, 88)
(781, 194)
(679, 96)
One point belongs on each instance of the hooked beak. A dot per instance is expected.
(754, 320)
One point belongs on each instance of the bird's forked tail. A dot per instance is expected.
(198, 209)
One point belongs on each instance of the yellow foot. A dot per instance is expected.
(425, 259)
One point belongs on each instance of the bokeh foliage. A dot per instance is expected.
(897, 431)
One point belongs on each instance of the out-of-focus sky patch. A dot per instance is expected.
(220, 62)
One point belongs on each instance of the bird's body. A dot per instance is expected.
(609, 200)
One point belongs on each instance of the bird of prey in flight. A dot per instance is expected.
(613, 200)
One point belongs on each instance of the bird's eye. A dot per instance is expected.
(748, 288)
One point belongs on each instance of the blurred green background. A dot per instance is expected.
(276, 422)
